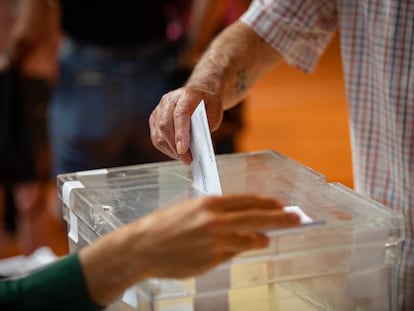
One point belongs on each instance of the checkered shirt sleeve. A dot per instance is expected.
(298, 30)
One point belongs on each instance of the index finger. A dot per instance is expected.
(182, 123)
(256, 219)
(238, 202)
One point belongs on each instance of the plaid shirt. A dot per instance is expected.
(377, 43)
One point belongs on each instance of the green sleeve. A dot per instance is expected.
(59, 286)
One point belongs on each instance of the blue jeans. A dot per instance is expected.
(99, 112)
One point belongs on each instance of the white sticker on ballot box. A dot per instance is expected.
(73, 230)
(67, 189)
(203, 166)
(101, 171)
(304, 218)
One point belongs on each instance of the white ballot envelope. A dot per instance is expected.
(204, 167)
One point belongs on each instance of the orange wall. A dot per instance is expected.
(303, 116)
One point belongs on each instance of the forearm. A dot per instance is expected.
(233, 63)
(110, 265)
(32, 23)
(34, 40)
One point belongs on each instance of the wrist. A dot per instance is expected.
(207, 83)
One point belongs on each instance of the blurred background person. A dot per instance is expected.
(26, 74)
(114, 65)
(112, 74)
(113, 71)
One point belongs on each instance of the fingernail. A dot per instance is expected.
(180, 148)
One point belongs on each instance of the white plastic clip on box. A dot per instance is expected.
(347, 263)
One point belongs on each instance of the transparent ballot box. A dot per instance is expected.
(346, 260)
